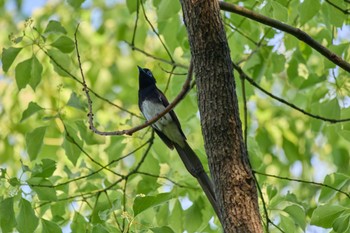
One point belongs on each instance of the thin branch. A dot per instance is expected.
(298, 33)
(136, 20)
(251, 81)
(166, 178)
(155, 32)
(179, 97)
(173, 63)
(304, 181)
(345, 11)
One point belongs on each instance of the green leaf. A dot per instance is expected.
(324, 216)
(115, 148)
(22, 73)
(7, 215)
(167, 9)
(98, 228)
(280, 12)
(78, 224)
(71, 144)
(54, 27)
(60, 61)
(163, 229)
(14, 182)
(336, 180)
(308, 9)
(27, 222)
(75, 102)
(36, 71)
(44, 193)
(342, 223)
(34, 141)
(64, 44)
(143, 203)
(8, 56)
(50, 227)
(75, 3)
(297, 213)
(31, 109)
(132, 5)
(28, 72)
(46, 169)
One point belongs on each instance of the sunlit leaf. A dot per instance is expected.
(50, 227)
(34, 141)
(43, 188)
(7, 215)
(55, 27)
(308, 9)
(325, 215)
(27, 221)
(8, 56)
(64, 44)
(143, 203)
(31, 109)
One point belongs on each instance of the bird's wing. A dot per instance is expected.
(165, 102)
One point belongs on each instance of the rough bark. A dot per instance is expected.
(234, 184)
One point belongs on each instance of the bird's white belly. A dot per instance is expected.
(165, 124)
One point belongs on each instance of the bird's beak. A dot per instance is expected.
(140, 69)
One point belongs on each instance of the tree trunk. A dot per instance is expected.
(234, 184)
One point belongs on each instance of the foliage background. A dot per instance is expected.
(54, 173)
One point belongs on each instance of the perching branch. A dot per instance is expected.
(90, 114)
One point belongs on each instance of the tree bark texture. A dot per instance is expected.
(234, 183)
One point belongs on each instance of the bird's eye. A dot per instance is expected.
(149, 73)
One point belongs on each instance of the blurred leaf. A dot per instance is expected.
(45, 192)
(280, 12)
(342, 223)
(132, 5)
(8, 56)
(71, 144)
(54, 27)
(143, 203)
(79, 224)
(324, 215)
(60, 62)
(23, 71)
(75, 102)
(168, 8)
(64, 44)
(164, 229)
(31, 109)
(27, 222)
(75, 3)
(297, 214)
(7, 215)
(335, 180)
(50, 227)
(308, 9)
(35, 75)
(99, 229)
(14, 181)
(34, 141)
(28, 72)
(46, 169)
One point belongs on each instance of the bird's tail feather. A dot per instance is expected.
(195, 167)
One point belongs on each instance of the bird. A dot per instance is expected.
(151, 102)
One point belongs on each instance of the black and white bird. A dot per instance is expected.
(152, 102)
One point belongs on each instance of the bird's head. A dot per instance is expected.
(145, 78)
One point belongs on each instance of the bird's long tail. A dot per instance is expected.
(195, 167)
